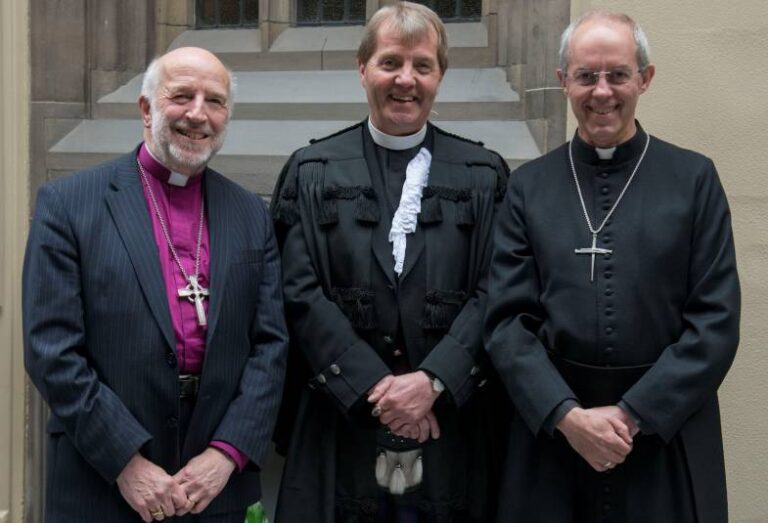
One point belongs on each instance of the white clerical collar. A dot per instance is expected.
(177, 179)
(396, 143)
(605, 153)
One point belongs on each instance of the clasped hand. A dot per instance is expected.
(149, 489)
(601, 435)
(404, 404)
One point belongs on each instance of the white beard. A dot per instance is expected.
(186, 160)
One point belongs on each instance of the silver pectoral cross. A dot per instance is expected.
(592, 251)
(195, 293)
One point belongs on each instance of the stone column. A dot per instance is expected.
(14, 209)
(275, 16)
(120, 42)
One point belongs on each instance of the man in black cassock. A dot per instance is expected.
(613, 310)
(386, 235)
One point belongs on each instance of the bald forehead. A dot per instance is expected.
(602, 29)
(193, 62)
(605, 38)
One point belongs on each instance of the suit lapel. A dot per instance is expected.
(219, 228)
(382, 249)
(131, 216)
(413, 250)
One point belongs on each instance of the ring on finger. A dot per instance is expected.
(609, 464)
(158, 514)
(376, 411)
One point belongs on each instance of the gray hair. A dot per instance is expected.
(412, 22)
(642, 50)
(152, 79)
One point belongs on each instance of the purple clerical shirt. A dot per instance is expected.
(180, 207)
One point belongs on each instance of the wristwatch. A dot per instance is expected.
(437, 385)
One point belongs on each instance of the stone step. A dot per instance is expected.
(465, 94)
(254, 151)
(323, 48)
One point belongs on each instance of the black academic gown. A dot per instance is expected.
(349, 316)
(667, 298)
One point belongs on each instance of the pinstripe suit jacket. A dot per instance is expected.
(100, 347)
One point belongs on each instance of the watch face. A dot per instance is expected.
(437, 385)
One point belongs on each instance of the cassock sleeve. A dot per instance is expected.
(459, 359)
(343, 365)
(515, 315)
(99, 425)
(689, 371)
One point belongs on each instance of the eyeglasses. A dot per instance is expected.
(587, 78)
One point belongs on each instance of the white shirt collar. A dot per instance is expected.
(177, 179)
(396, 143)
(605, 153)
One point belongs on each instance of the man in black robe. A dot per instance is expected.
(613, 310)
(386, 234)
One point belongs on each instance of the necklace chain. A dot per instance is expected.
(167, 235)
(594, 231)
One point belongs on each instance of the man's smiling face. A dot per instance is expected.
(187, 119)
(605, 111)
(401, 81)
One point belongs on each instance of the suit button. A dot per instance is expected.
(335, 370)
(170, 359)
(388, 340)
(474, 370)
(605, 190)
(321, 379)
(172, 423)
(482, 383)
(397, 353)
(604, 175)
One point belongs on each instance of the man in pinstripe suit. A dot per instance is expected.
(153, 318)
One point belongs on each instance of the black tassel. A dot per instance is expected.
(465, 215)
(329, 211)
(286, 207)
(431, 210)
(357, 304)
(441, 308)
(366, 206)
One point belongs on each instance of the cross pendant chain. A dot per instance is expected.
(195, 293)
(593, 251)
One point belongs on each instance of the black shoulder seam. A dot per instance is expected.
(337, 133)
(456, 136)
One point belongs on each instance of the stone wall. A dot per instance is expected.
(81, 50)
(708, 95)
(529, 38)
